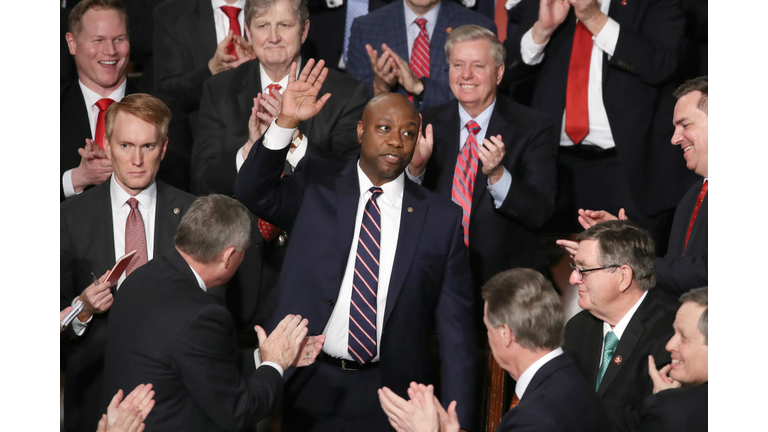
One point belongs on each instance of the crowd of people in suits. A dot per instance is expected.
(367, 185)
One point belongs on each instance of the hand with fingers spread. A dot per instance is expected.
(405, 76)
(384, 70)
(590, 218)
(96, 298)
(222, 60)
(95, 167)
(552, 13)
(661, 379)
(300, 100)
(284, 343)
(423, 150)
(243, 49)
(491, 153)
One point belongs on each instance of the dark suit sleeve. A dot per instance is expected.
(651, 420)
(678, 275)
(172, 73)
(358, 63)
(456, 331)
(531, 195)
(204, 357)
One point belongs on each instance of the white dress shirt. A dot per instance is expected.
(221, 20)
(527, 376)
(91, 97)
(618, 330)
(604, 42)
(412, 29)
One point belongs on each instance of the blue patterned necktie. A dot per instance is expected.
(365, 283)
(355, 8)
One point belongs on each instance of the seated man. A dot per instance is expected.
(166, 329)
(625, 319)
(524, 319)
(680, 389)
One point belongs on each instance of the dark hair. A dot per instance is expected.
(699, 296)
(699, 84)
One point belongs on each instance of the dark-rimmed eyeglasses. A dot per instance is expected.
(580, 272)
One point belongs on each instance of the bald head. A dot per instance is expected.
(384, 101)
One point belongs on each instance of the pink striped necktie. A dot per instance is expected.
(420, 53)
(365, 284)
(464, 176)
(135, 237)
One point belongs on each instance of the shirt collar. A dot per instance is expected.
(199, 279)
(119, 196)
(91, 97)
(483, 119)
(217, 4)
(266, 80)
(392, 190)
(431, 16)
(618, 330)
(527, 376)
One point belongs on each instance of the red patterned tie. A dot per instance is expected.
(420, 54)
(464, 176)
(576, 106)
(232, 12)
(269, 231)
(699, 200)
(103, 104)
(135, 237)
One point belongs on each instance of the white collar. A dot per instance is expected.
(266, 80)
(91, 97)
(527, 376)
(482, 120)
(392, 190)
(119, 196)
(618, 330)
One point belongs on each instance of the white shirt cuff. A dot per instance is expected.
(294, 157)
(499, 190)
(276, 137)
(239, 159)
(259, 364)
(66, 184)
(531, 52)
(416, 179)
(468, 3)
(78, 326)
(608, 37)
(334, 3)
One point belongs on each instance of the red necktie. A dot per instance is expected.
(699, 200)
(135, 237)
(420, 53)
(464, 177)
(500, 19)
(269, 231)
(232, 12)
(273, 87)
(576, 107)
(103, 104)
(515, 401)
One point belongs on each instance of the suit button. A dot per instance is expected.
(331, 303)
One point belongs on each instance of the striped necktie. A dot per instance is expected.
(464, 176)
(420, 53)
(365, 283)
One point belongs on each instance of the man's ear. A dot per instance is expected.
(71, 44)
(626, 275)
(163, 148)
(226, 256)
(360, 129)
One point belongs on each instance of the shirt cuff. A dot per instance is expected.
(66, 184)
(416, 179)
(78, 326)
(468, 3)
(258, 362)
(608, 37)
(499, 190)
(531, 52)
(239, 159)
(294, 157)
(334, 3)
(276, 137)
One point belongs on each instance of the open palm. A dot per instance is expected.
(300, 100)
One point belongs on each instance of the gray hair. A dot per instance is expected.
(474, 32)
(621, 242)
(699, 84)
(254, 8)
(212, 224)
(700, 297)
(525, 301)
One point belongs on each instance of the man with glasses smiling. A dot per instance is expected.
(625, 320)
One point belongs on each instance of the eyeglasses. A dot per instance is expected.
(580, 272)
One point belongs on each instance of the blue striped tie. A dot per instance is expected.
(365, 283)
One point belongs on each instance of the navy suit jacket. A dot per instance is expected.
(387, 25)
(678, 273)
(430, 285)
(626, 382)
(503, 238)
(558, 399)
(677, 410)
(637, 91)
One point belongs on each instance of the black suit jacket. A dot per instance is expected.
(430, 281)
(502, 238)
(678, 273)
(226, 108)
(677, 410)
(87, 245)
(637, 91)
(558, 399)
(165, 330)
(625, 385)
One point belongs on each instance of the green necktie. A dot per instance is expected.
(610, 346)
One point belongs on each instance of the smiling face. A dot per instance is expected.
(101, 50)
(688, 348)
(599, 289)
(387, 133)
(473, 75)
(277, 35)
(691, 133)
(135, 149)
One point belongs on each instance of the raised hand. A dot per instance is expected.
(590, 218)
(96, 298)
(405, 76)
(283, 344)
(552, 13)
(384, 70)
(95, 167)
(300, 100)
(491, 154)
(423, 150)
(222, 60)
(661, 379)
(569, 245)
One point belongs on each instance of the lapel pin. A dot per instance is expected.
(448, 30)
(176, 210)
(410, 209)
(617, 360)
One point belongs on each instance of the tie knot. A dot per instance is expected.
(421, 22)
(230, 11)
(473, 127)
(103, 104)
(273, 87)
(375, 192)
(611, 340)
(133, 203)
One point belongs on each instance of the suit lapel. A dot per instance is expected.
(347, 196)
(396, 35)
(412, 216)
(206, 30)
(105, 229)
(437, 61)
(167, 218)
(447, 145)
